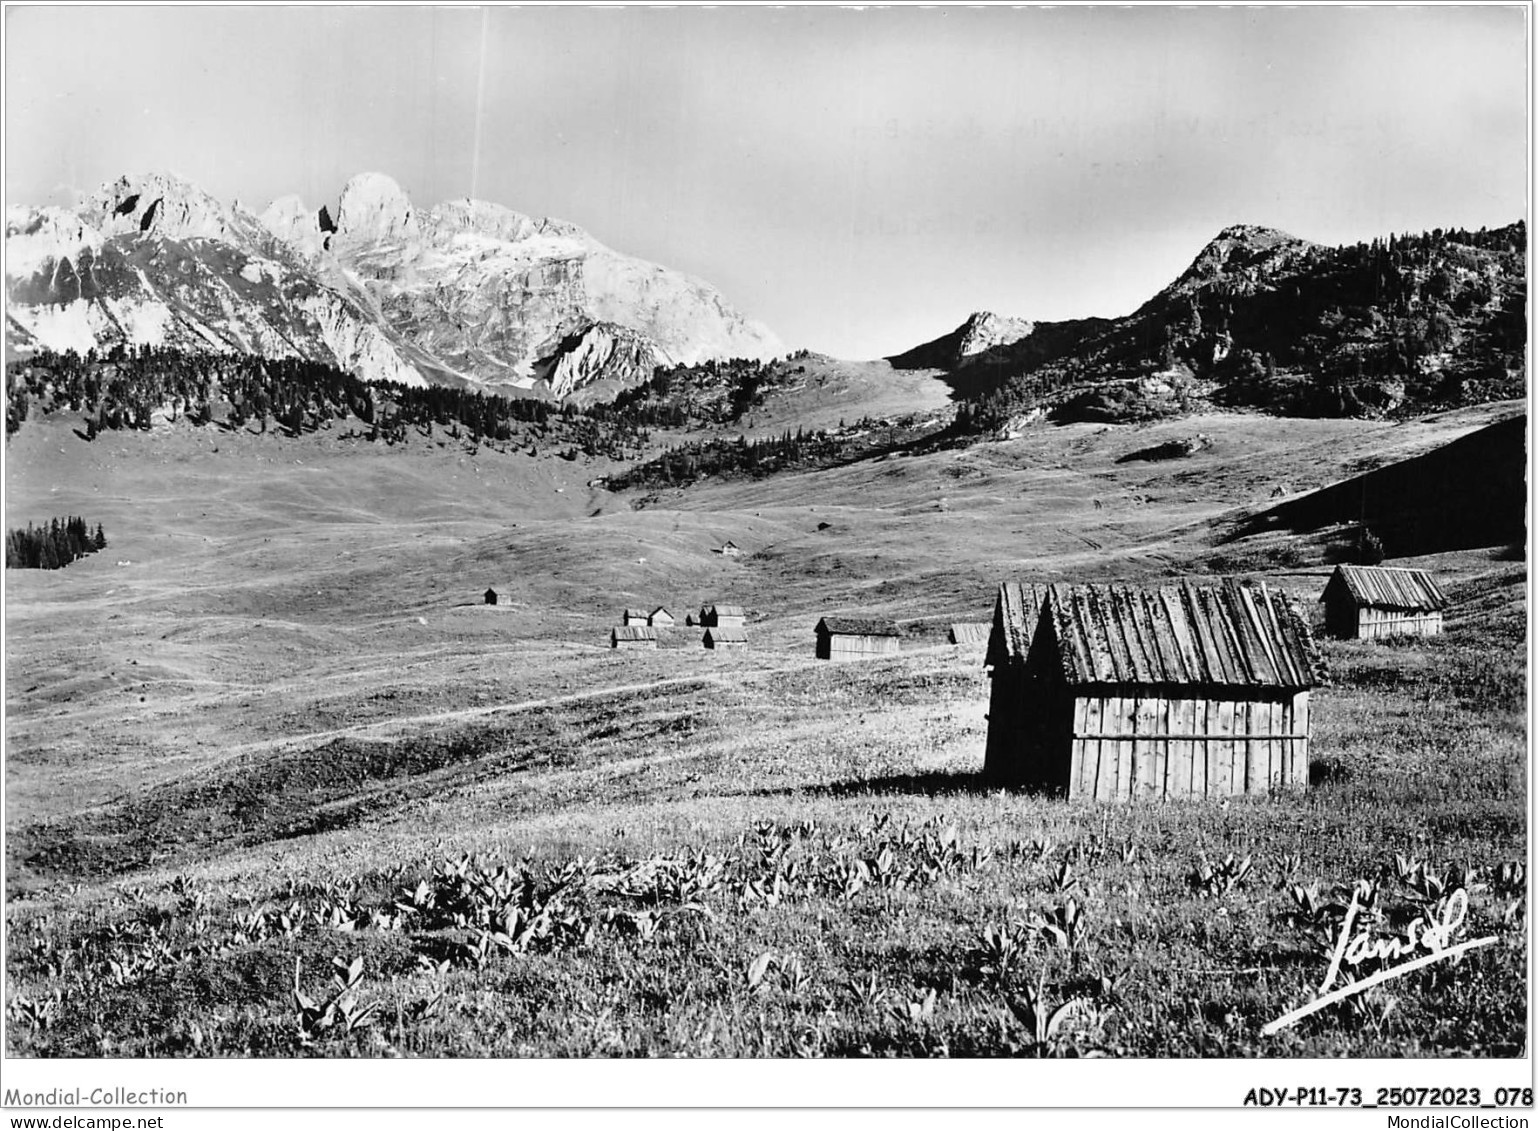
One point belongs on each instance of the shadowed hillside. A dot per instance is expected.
(1468, 494)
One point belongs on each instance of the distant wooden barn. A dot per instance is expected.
(635, 616)
(1114, 693)
(725, 638)
(633, 636)
(723, 616)
(730, 550)
(856, 638)
(1372, 602)
(660, 618)
(969, 634)
(491, 596)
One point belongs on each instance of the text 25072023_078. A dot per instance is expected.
(1391, 1097)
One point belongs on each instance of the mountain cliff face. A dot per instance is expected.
(1406, 324)
(469, 293)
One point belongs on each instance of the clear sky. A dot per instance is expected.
(860, 180)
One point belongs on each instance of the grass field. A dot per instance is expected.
(277, 785)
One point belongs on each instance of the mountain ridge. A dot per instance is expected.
(1266, 319)
(469, 293)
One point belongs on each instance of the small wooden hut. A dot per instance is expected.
(723, 616)
(491, 596)
(660, 618)
(857, 638)
(635, 616)
(1114, 693)
(969, 634)
(1372, 602)
(718, 638)
(729, 549)
(633, 636)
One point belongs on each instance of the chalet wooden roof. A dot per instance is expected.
(661, 609)
(633, 632)
(1383, 587)
(726, 635)
(857, 626)
(725, 610)
(1015, 615)
(1233, 636)
(641, 613)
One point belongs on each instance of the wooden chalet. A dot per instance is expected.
(969, 634)
(723, 616)
(635, 616)
(491, 596)
(1372, 602)
(725, 638)
(729, 549)
(857, 638)
(1114, 693)
(633, 636)
(660, 618)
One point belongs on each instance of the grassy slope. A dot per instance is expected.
(290, 696)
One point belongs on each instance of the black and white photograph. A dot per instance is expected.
(543, 540)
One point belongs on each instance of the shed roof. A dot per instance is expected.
(633, 632)
(1389, 588)
(1015, 615)
(636, 613)
(968, 632)
(1234, 636)
(725, 610)
(661, 609)
(726, 635)
(858, 626)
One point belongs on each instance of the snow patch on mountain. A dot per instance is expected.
(66, 326)
(144, 323)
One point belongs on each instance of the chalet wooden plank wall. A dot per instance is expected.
(856, 638)
(969, 635)
(1113, 693)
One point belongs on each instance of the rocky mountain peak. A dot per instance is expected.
(484, 218)
(984, 330)
(374, 207)
(292, 221)
(1243, 255)
(162, 203)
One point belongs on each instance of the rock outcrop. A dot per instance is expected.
(603, 351)
(980, 333)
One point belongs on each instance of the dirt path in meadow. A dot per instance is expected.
(383, 728)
